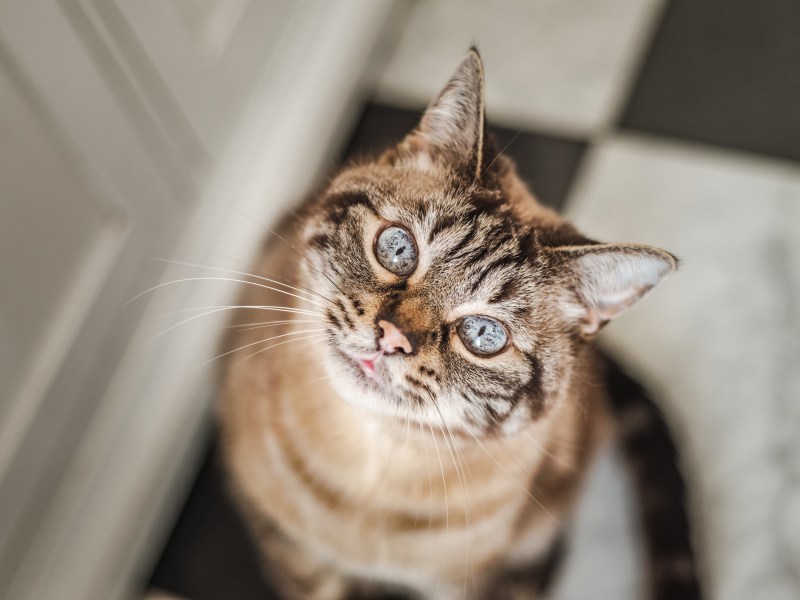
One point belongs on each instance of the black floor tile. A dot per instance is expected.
(209, 555)
(546, 163)
(724, 72)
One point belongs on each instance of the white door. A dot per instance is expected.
(133, 130)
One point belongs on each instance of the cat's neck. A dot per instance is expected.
(394, 453)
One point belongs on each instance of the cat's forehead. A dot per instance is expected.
(403, 188)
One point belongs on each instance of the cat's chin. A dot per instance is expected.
(369, 387)
(356, 385)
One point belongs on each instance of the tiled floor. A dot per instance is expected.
(560, 65)
(673, 123)
(720, 339)
(725, 72)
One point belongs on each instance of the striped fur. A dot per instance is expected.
(453, 475)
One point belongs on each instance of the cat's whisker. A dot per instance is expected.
(302, 287)
(286, 309)
(430, 477)
(269, 339)
(246, 358)
(548, 453)
(448, 433)
(278, 277)
(245, 273)
(537, 445)
(311, 381)
(405, 442)
(385, 473)
(273, 232)
(242, 281)
(513, 479)
(288, 243)
(206, 313)
(301, 348)
(444, 482)
(522, 469)
(266, 324)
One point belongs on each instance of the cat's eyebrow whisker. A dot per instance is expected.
(223, 270)
(243, 281)
(273, 232)
(269, 339)
(325, 275)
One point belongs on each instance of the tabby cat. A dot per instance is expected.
(427, 401)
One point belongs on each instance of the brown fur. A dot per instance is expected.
(460, 468)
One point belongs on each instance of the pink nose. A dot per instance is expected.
(392, 339)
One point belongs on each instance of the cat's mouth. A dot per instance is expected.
(369, 363)
(366, 364)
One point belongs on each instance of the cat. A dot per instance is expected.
(429, 398)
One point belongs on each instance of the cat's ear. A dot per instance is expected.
(452, 130)
(604, 280)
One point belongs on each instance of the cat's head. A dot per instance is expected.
(456, 299)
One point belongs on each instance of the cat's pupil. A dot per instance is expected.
(400, 251)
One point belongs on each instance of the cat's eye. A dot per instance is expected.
(396, 251)
(482, 335)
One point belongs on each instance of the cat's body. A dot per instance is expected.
(382, 498)
(379, 440)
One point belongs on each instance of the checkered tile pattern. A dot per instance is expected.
(672, 123)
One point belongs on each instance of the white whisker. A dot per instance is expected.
(316, 335)
(444, 482)
(517, 483)
(301, 348)
(223, 270)
(430, 478)
(242, 281)
(448, 433)
(269, 339)
(286, 309)
(265, 324)
(204, 314)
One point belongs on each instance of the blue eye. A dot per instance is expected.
(396, 251)
(482, 336)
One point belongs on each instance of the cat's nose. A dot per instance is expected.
(392, 339)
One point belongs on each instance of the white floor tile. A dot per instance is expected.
(721, 338)
(558, 65)
(604, 552)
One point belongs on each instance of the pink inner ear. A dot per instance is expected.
(611, 280)
(614, 304)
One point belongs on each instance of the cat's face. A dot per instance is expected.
(455, 300)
